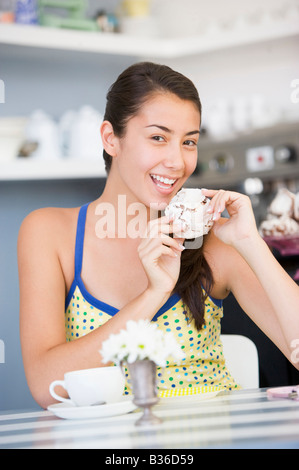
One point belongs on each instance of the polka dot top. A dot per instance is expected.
(203, 365)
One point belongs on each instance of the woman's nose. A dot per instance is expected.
(174, 160)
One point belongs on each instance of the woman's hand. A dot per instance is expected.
(160, 255)
(241, 224)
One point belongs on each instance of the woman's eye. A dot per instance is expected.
(158, 138)
(190, 143)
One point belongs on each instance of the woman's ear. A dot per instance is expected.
(109, 139)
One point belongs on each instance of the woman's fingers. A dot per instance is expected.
(155, 254)
(221, 200)
(209, 192)
(160, 254)
(150, 244)
(241, 223)
(161, 229)
(161, 225)
(175, 243)
(217, 202)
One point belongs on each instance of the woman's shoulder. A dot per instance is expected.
(48, 226)
(50, 218)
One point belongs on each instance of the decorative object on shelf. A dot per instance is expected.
(7, 14)
(280, 229)
(27, 148)
(12, 136)
(143, 347)
(65, 126)
(39, 136)
(242, 114)
(26, 12)
(282, 219)
(42, 131)
(190, 18)
(107, 23)
(84, 134)
(76, 19)
(136, 7)
(157, 41)
(136, 18)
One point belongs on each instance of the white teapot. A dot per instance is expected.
(43, 130)
(85, 137)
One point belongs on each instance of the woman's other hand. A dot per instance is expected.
(241, 224)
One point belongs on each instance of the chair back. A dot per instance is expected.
(241, 358)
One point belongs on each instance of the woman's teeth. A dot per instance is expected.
(165, 181)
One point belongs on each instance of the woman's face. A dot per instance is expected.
(159, 149)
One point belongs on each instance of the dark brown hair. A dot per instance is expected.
(124, 99)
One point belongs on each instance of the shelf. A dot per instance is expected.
(121, 44)
(31, 169)
(74, 168)
(252, 135)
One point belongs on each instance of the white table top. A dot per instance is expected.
(239, 419)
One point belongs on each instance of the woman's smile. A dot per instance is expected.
(164, 184)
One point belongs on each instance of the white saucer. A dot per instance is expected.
(69, 411)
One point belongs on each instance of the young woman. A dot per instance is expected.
(80, 282)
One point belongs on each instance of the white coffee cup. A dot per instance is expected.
(91, 386)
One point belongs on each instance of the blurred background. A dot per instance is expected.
(57, 61)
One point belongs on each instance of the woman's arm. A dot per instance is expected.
(46, 354)
(265, 291)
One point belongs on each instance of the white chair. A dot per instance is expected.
(241, 358)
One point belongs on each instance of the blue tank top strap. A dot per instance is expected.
(80, 240)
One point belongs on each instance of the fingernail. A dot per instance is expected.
(181, 247)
